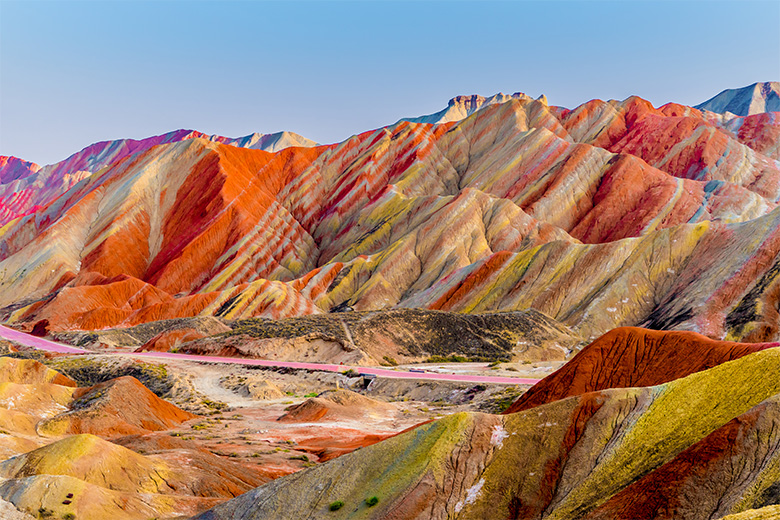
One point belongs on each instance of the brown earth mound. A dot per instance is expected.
(122, 406)
(170, 340)
(337, 405)
(631, 356)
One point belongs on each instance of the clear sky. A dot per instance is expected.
(72, 73)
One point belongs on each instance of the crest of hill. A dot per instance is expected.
(94, 502)
(29, 371)
(631, 356)
(169, 483)
(32, 393)
(561, 460)
(26, 187)
(402, 335)
(753, 99)
(94, 460)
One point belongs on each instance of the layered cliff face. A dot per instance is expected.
(610, 214)
(704, 445)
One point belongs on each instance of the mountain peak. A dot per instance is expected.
(460, 107)
(753, 99)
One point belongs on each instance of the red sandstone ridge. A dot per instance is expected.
(630, 357)
(170, 339)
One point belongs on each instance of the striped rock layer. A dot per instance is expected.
(26, 187)
(610, 214)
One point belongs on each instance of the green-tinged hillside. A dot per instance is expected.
(560, 460)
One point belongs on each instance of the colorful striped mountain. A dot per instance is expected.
(611, 214)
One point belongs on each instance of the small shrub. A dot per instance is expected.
(304, 458)
(335, 506)
(372, 501)
(68, 516)
(312, 394)
(350, 373)
(390, 361)
(453, 358)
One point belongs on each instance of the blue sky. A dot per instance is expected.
(72, 73)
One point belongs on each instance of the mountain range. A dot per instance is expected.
(613, 213)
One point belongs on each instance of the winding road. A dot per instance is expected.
(53, 346)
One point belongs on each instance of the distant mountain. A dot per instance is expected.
(268, 142)
(746, 101)
(460, 107)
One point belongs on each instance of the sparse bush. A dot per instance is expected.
(350, 373)
(372, 501)
(312, 394)
(335, 506)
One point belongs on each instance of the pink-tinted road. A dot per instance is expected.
(53, 346)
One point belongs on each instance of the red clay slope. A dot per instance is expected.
(630, 357)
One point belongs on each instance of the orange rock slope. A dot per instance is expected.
(610, 214)
(629, 357)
